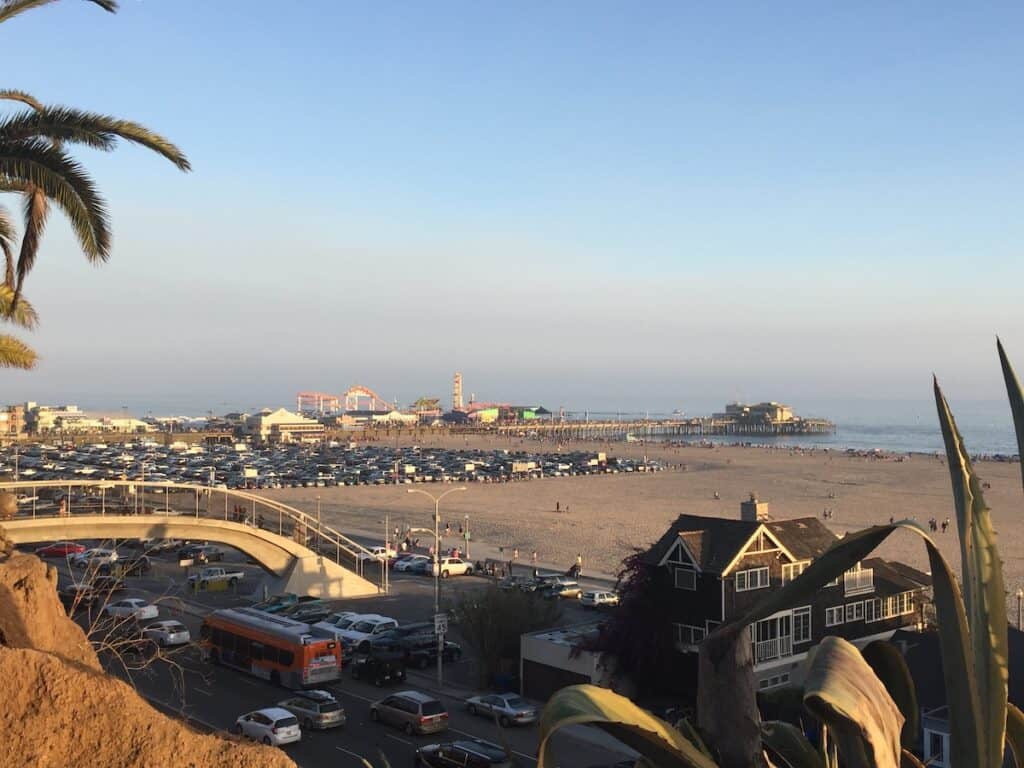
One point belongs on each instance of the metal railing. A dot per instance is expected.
(776, 648)
(136, 497)
(859, 582)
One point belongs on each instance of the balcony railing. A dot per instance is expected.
(766, 650)
(859, 582)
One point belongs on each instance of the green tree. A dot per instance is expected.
(491, 621)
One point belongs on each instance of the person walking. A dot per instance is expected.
(579, 564)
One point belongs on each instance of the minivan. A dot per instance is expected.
(412, 711)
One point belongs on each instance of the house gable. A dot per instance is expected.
(680, 554)
(760, 542)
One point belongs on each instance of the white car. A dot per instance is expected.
(165, 633)
(453, 566)
(273, 725)
(597, 599)
(377, 553)
(407, 563)
(341, 619)
(365, 628)
(93, 557)
(133, 607)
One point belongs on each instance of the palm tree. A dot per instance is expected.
(34, 164)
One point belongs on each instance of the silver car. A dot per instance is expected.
(510, 708)
(315, 709)
(412, 711)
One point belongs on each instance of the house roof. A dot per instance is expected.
(716, 541)
(901, 576)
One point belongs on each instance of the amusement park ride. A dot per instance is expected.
(357, 398)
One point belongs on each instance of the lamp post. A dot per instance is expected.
(466, 535)
(1020, 599)
(437, 564)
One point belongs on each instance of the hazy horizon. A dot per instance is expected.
(588, 205)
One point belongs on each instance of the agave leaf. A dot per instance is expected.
(789, 745)
(654, 739)
(966, 725)
(1013, 391)
(984, 591)
(1015, 733)
(727, 702)
(693, 736)
(909, 760)
(888, 664)
(842, 691)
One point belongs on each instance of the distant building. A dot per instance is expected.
(552, 659)
(714, 570)
(283, 426)
(46, 420)
(770, 412)
(12, 421)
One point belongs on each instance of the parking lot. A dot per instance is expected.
(211, 697)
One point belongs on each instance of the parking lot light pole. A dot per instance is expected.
(437, 564)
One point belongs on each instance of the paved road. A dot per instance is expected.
(212, 697)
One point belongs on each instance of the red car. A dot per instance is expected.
(60, 549)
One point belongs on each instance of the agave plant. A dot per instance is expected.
(34, 165)
(852, 694)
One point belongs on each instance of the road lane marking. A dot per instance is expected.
(350, 752)
(392, 736)
(177, 711)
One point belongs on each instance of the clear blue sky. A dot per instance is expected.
(589, 204)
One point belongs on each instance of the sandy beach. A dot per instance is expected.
(605, 517)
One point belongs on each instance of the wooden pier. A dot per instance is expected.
(691, 428)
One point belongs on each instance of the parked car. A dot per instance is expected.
(133, 607)
(79, 596)
(412, 711)
(510, 708)
(310, 611)
(454, 566)
(377, 553)
(127, 566)
(341, 619)
(364, 629)
(423, 655)
(107, 584)
(409, 562)
(472, 753)
(207, 576)
(561, 586)
(61, 549)
(272, 725)
(315, 709)
(167, 633)
(201, 552)
(277, 603)
(378, 668)
(94, 557)
(597, 599)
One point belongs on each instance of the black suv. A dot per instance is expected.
(470, 753)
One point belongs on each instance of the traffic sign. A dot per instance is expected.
(440, 623)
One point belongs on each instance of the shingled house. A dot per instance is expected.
(714, 570)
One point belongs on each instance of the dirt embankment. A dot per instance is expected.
(59, 708)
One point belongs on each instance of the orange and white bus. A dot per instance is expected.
(284, 651)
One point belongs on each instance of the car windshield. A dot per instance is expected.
(364, 626)
(433, 708)
(286, 721)
(515, 701)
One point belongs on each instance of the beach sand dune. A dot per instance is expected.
(605, 517)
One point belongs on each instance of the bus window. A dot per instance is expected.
(286, 658)
(256, 651)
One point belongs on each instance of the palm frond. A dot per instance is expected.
(13, 94)
(11, 8)
(36, 209)
(16, 354)
(7, 237)
(90, 128)
(22, 313)
(64, 182)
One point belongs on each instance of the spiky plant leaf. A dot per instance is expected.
(909, 760)
(889, 666)
(654, 739)
(8, 235)
(13, 94)
(693, 736)
(789, 745)
(841, 691)
(984, 592)
(11, 8)
(1013, 391)
(1015, 733)
(16, 354)
(36, 209)
(954, 639)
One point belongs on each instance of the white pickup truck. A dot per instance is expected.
(211, 575)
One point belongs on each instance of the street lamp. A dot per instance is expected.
(437, 564)
(1020, 599)
(465, 535)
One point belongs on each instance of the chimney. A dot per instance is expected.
(754, 511)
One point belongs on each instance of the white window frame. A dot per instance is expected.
(855, 611)
(693, 576)
(872, 610)
(804, 612)
(791, 570)
(743, 579)
(687, 634)
(832, 613)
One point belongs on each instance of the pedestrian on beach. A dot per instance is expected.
(579, 564)
(533, 557)
(515, 554)
(945, 524)
(558, 506)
